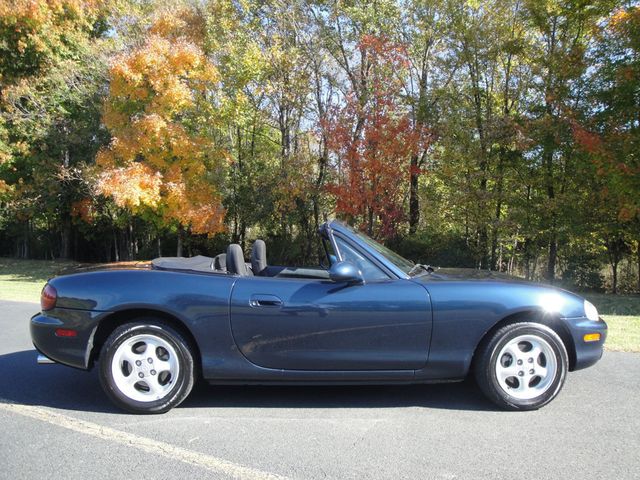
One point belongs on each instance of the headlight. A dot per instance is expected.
(590, 311)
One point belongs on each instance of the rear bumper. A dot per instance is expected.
(71, 351)
(587, 353)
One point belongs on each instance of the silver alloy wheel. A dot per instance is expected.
(526, 367)
(145, 367)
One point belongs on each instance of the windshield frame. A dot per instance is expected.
(397, 264)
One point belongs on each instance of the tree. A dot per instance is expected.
(562, 31)
(160, 112)
(614, 138)
(374, 142)
(51, 80)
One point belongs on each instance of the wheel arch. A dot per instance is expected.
(554, 322)
(109, 323)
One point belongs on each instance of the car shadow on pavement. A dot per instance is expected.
(450, 396)
(57, 386)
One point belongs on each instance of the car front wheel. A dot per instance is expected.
(522, 366)
(146, 367)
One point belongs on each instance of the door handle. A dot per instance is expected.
(265, 301)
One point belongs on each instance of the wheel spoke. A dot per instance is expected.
(155, 388)
(130, 356)
(514, 351)
(506, 372)
(132, 379)
(535, 353)
(151, 349)
(162, 366)
(523, 385)
(541, 372)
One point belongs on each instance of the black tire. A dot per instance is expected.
(138, 398)
(486, 363)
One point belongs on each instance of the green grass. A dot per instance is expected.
(622, 314)
(608, 304)
(22, 280)
(624, 333)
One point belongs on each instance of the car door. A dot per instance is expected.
(305, 324)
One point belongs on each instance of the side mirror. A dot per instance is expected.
(345, 272)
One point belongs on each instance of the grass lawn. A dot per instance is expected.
(622, 314)
(22, 280)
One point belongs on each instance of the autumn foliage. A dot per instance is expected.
(373, 138)
(158, 111)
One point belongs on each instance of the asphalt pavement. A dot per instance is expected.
(55, 422)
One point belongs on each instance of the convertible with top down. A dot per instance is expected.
(368, 316)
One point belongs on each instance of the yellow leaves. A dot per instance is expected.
(182, 23)
(4, 188)
(619, 17)
(165, 72)
(159, 112)
(49, 14)
(131, 187)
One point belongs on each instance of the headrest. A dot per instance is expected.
(258, 257)
(235, 260)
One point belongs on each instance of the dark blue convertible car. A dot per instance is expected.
(368, 317)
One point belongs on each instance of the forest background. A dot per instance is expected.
(497, 134)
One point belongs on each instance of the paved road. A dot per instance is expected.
(55, 422)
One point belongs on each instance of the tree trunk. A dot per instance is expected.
(159, 246)
(614, 270)
(179, 249)
(638, 261)
(414, 201)
(24, 249)
(116, 253)
(65, 247)
(553, 255)
(130, 241)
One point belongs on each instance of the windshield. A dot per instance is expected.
(400, 262)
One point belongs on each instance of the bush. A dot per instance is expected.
(583, 271)
(436, 249)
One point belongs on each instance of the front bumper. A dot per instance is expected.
(586, 353)
(72, 351)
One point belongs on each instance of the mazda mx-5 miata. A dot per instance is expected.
(368, 316)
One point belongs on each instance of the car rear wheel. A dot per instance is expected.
(521, 366)
(146, 367)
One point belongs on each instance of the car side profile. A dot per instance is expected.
(368, 316)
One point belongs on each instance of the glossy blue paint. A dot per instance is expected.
(314, 330)
(324, 325)
(345, 272)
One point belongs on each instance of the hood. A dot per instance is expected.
(462, 274)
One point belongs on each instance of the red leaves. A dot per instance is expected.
(590, 142)
(373, 139)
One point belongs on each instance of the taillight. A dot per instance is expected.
(48, 297)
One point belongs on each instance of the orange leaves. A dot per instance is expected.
(131, 187)
(588, 141)
(84, 210)
(625, 25)
(159, 113)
